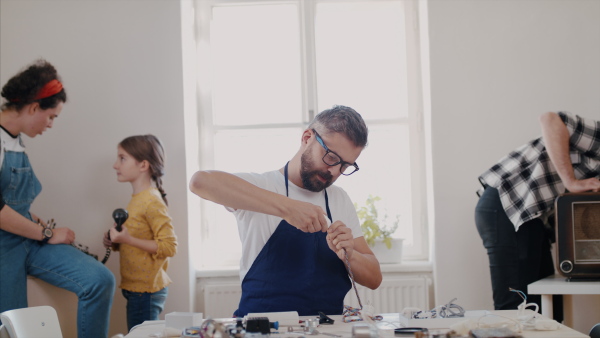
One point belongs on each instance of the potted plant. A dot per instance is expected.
(378, 230)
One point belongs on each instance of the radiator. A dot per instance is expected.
(220, 301)
(394, 294)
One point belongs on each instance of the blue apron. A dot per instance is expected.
(295, 271)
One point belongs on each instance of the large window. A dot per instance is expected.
(265, 68)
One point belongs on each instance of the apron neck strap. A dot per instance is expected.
(287, 192)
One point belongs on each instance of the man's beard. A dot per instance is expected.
(309, 181)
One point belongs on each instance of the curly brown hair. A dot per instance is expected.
(22, 88)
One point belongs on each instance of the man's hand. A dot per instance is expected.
(305, 216)
(590, 184)
(339, 237)
(62, 236)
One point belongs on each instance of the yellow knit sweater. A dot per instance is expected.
(148, 219)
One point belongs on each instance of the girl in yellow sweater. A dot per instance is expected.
(147, 239)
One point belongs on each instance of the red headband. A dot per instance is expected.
(51, 88)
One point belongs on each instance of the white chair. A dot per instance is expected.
(37, 321)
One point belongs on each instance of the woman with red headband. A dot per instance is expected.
(34, 99)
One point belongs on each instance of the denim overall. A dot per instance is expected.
(295, 271)
(61, 265)
(19, 188)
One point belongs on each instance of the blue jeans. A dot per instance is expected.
(142, 306)
(61, 265)
(65, 267)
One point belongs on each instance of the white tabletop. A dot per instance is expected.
(155, 329)
(559, 285)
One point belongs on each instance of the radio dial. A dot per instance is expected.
(566, 266)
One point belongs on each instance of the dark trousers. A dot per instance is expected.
(517, 258)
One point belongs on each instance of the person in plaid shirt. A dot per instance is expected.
(518, 196)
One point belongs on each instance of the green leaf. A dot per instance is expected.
(388, 242)
(371, 222)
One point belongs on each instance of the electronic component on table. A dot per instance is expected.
(409, 331)
(260, 324)
(324, 319)
(500, 332)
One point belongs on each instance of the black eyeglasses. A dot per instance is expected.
(332, 159)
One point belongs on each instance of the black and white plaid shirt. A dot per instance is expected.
(526, 179)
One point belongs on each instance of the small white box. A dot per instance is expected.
(181, 320)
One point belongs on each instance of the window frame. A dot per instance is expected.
(414, 120)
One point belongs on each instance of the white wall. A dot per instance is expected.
(121, 64)
(495, 67)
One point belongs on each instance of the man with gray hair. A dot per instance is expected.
(292, 259)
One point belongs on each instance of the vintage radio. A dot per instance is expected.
(578, 235)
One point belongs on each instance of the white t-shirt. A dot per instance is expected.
(255, 229)
(9, 143)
